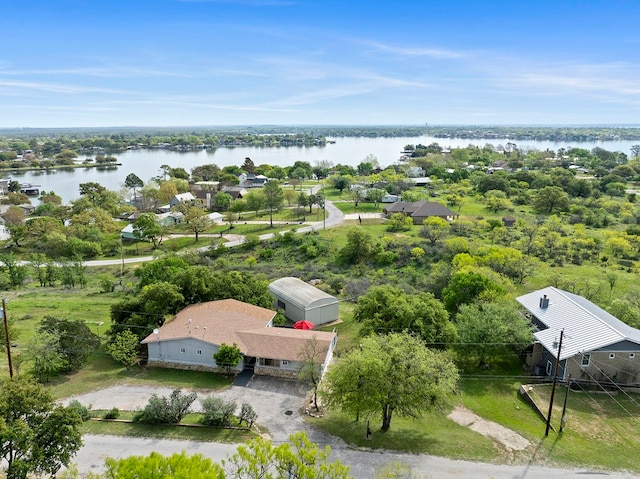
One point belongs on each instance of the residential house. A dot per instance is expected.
(420, 210)
(421, 181)
(181, 199)
(247, 180)
(508, 221)
(205, 192)
(191, 338)
(128, 232)
(596, 346)
(301, 301)
(171, 218)
(215, 217)
(236, 192)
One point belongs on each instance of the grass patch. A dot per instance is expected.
(101, 372)
(431, 434)
(600, 432)
(203, 434)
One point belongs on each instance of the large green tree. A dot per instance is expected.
(133, 181)
(488, 329)
(390, 374)
(36, 435)
(551, 199)
(386, 309)
(76, 342)
(273, 198)
(147, 228)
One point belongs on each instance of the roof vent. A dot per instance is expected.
(544, 302)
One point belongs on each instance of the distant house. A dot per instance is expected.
(128, 232)
(205, 192)
(388, 198)
(171, 218)
(236, 192)
(181, 199)
(252, 181)
(215, 217)
(302, 302)
(508, 221)
(191, 338)
(420, 210)
(421, 181)
(596, 346)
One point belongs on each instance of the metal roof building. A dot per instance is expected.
(595, 343)
(302, 302)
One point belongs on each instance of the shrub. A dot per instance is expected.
(113, 413)
(266, 253)
(83, 411)
(251, 241)
(247, 415)
(217, 412)
(166, 410)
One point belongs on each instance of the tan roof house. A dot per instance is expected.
(420, 210)
(191, 338)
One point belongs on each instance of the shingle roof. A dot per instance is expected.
(587, 327)
(284, 343)
(214, 322)
(297, 292)
(234, 322)
(422, 209)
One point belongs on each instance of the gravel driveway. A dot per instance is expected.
(277, 402)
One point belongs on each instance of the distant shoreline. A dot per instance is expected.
(110, 166)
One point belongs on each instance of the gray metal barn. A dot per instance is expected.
(301, 301)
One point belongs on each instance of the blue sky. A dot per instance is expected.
(94, 63)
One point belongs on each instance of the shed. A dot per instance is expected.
(301, 301)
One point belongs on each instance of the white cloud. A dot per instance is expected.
(59, 88)
(414, 51)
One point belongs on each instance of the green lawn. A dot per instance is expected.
(183, 431)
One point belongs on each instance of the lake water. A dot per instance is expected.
(349, 151)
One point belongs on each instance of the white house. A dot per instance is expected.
(302, 302)
(191, 338)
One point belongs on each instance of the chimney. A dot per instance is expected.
(544, 302)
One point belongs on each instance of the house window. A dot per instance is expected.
(199, 352)
(183, 350)
(586, 359)
(612, 355)
(282, 305)
(632, 355)
(270, 362)
(549, 368)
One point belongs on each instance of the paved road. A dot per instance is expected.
(278, 404)
(363, 463)
(334, 217)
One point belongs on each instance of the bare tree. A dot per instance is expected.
(310, 372)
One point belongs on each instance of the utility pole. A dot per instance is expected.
(563, 419)
(6, 336)
(555, 381)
